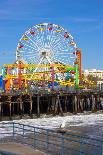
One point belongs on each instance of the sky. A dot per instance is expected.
(82, 18)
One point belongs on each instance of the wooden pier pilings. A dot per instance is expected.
(36, 104)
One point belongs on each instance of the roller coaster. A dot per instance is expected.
(47, 58)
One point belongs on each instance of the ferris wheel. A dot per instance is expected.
(46, 43)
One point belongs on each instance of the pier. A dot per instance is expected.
(56, 104)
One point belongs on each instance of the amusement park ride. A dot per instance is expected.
(48, 58)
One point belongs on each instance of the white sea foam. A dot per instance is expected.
(55, 122)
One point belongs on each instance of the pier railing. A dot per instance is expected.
(56, 142)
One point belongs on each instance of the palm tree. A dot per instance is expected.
(93, 78)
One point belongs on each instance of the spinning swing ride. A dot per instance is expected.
(47, 56)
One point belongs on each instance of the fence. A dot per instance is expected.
(56, 142)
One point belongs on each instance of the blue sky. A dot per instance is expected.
(82, 18)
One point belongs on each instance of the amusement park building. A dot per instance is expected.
(96, 73)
